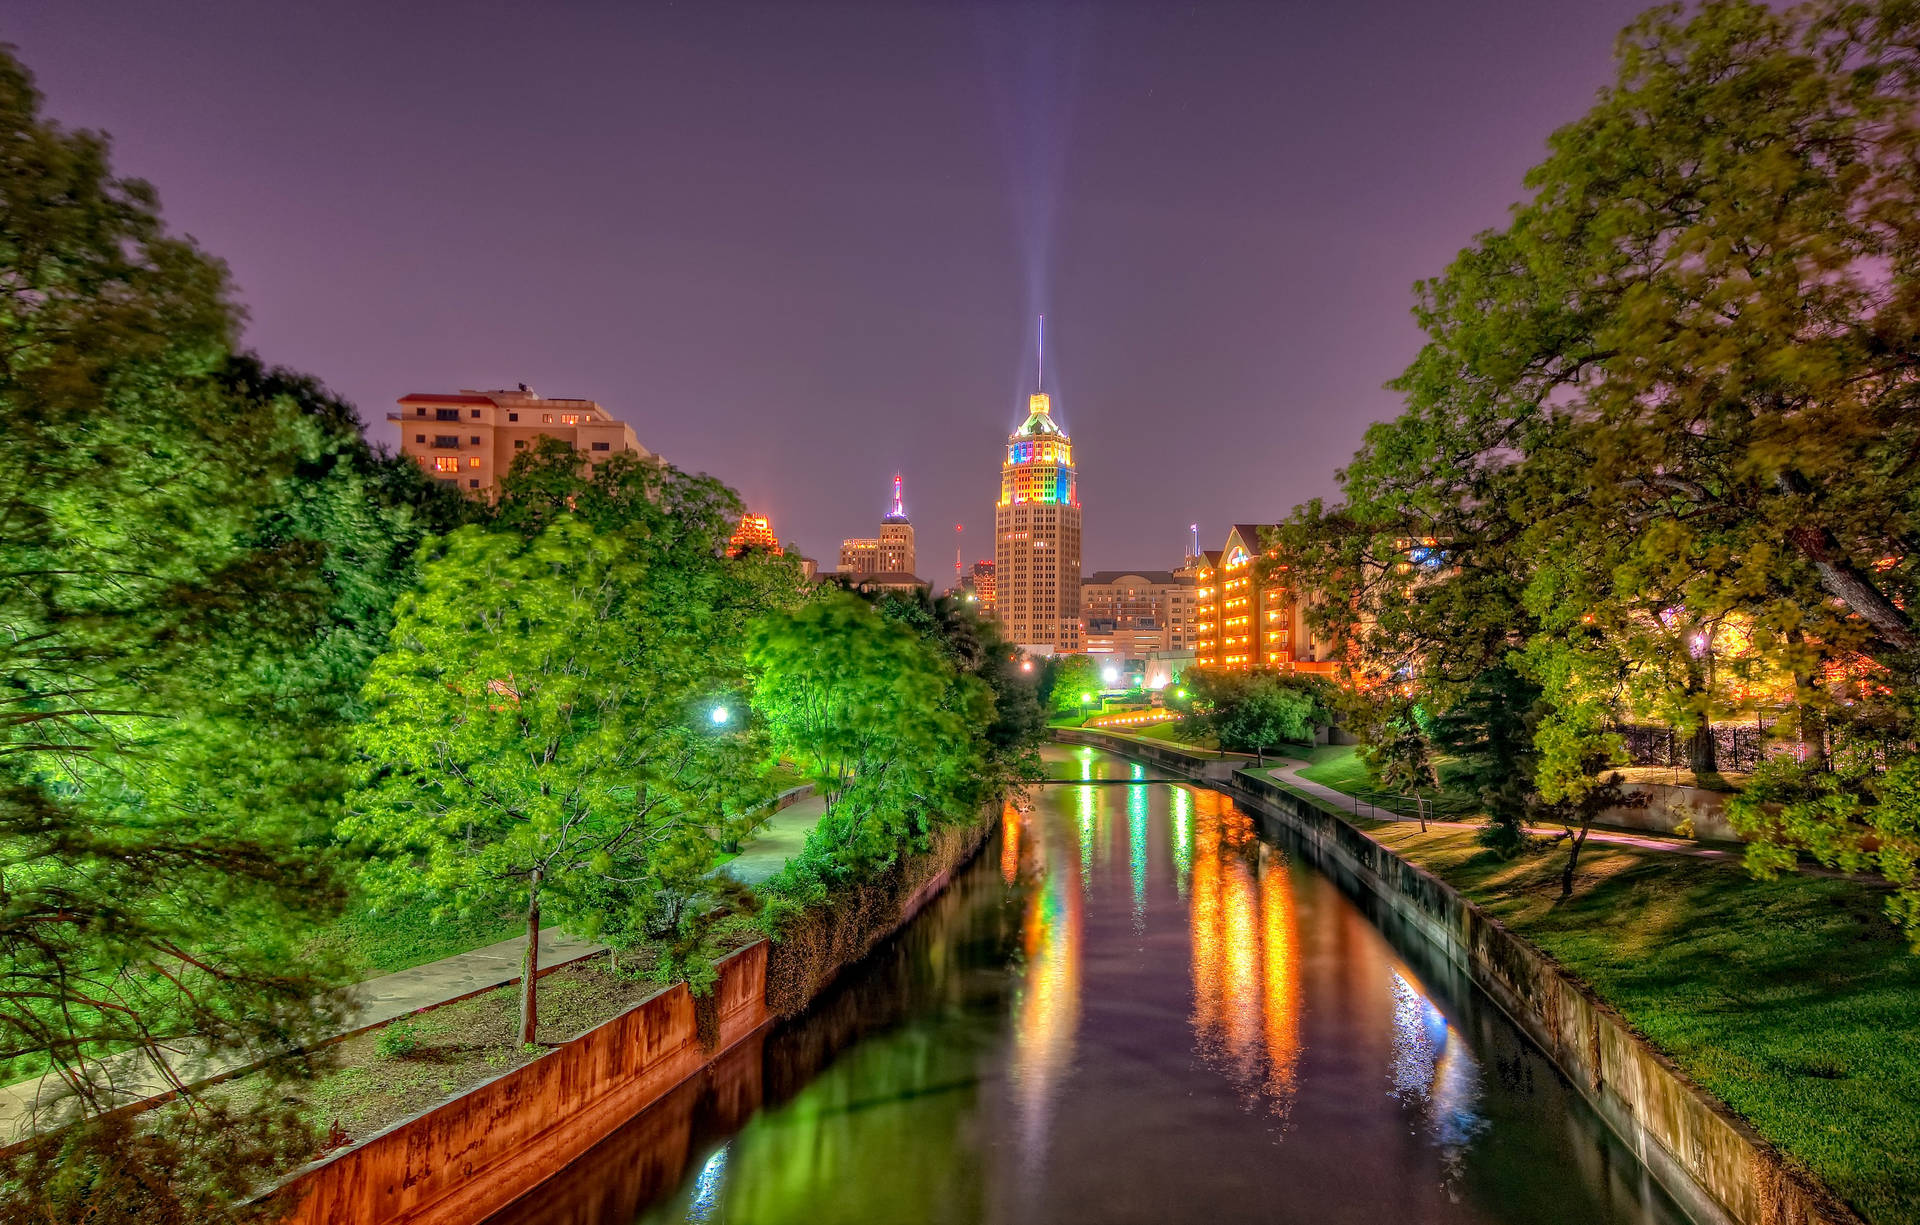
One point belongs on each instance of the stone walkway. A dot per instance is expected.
(32, 1104)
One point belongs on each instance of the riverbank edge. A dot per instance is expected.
(1720, 1170)
(478, 1151)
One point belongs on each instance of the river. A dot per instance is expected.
(1130, 1008)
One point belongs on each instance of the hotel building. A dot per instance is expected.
(470, 438)
(1036, 554)
(1243, 624)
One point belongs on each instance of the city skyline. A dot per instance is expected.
(756, 233)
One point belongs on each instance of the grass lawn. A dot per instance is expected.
(1795, 1001)
(402, 936)
(1169, 732)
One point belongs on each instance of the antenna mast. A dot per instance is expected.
(1040, 364)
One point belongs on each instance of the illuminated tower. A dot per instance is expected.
(1036, 546)
(896, 536)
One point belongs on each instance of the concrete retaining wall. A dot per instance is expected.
(1690, 812)
(1717, 1166)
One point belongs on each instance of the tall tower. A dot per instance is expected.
(896, 536)
(1036, 547)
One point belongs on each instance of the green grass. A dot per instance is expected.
(1336, 766)
(1794, 1001)
(1169, 732)
(402, 936)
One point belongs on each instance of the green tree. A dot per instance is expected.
(1258, 710)
(1488, 732)
(541, 731)
(1661, 434)
(874, 714)
(1069, 679)
(161, 761)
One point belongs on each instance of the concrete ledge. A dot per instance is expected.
(1708, 1158)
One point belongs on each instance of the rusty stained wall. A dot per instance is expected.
(473, 1155)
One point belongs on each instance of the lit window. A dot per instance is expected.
(473, 461)
(547, 418)
(446, 463)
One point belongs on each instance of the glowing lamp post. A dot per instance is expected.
(719, 715)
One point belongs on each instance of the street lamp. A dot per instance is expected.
(1110, 674)
(719, 715)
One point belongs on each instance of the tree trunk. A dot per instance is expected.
(1578, 841)
(530, 965)
(1702, 755)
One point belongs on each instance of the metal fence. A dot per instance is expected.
(1736, 746)
(1741, 747)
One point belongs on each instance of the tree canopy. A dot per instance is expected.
(1658, 452)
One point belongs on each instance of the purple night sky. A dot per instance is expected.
(800, 245)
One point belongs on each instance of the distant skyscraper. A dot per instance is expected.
(891, 552)
(1037, 535)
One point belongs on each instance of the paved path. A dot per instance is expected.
(778, 840)
(1290, 775)
(134, 1076)
(44, 1101)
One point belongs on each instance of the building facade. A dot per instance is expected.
(891, 552)
(1244, 624)
(1134, 613)
(470, 438)
(979, 582)
(754, 532)
(1037, 536)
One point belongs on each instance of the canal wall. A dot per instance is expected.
(474, 1154)
(1719, 1169)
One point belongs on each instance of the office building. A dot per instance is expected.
(1037, 536)
(1134, 613)
(891, 552)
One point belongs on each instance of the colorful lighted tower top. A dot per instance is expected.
(1039, 466)
(899, 512)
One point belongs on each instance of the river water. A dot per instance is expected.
(1130, 1008)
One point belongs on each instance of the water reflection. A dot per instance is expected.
(1137, 853)
(1434, 1073)
(1047, 1001)
(1180, 825)
(706, 1187)
(1011, 820)
(1060, 1040)
(1246, 974)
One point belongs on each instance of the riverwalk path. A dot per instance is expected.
(28, 1105)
